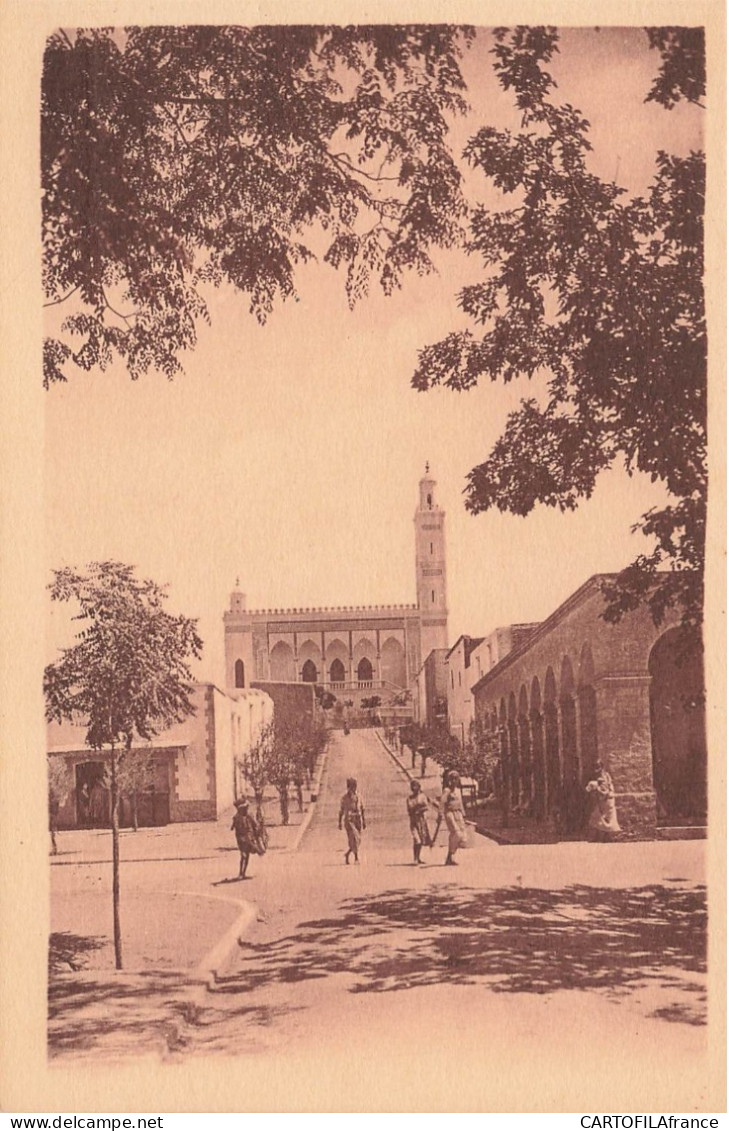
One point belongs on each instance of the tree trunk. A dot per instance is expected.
(135, 822)
(115, 859)
(283, 795)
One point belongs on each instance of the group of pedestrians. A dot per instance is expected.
(251, 835)
(449, 810)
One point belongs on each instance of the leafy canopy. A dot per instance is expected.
(599, 296)
(127, 676)
(176, 158)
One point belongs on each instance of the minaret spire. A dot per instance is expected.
(430, 567)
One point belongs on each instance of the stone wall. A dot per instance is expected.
(577, 690)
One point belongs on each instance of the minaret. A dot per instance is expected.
(430, 568)
(239, 668)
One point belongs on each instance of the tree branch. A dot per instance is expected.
(361, 172)
(118, 313)
(58, 301)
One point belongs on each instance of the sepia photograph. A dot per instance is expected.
(376, 751)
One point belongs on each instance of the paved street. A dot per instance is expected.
(588, 952)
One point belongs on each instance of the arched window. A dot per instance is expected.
(336, 672)
(364, 671)
(240, 674)
(308, 672)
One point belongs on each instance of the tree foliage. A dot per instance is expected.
(284, 754)
(176, 158)
(127, 677)
(598, 296)
(682, 73)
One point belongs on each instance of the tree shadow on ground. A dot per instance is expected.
(129, 1015)
(67, 951)
(116, 1011)
(512, 940)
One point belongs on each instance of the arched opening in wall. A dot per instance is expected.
(308, 672)
(336, 672)
(513, 737)
(678, 729)
(587, 701)
(551, 748)
(283, 669)
(536, 721)
(525, 754)
(364, 673)
(504, 788)
(572, 793)
(393, 662)
(240, 674)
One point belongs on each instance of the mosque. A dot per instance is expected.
(356, 651)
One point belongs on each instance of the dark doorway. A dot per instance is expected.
(93, 801)
(678, 729)
(364, 671)
(336, 672)
(308, 672)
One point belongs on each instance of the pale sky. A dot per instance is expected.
(288, 455)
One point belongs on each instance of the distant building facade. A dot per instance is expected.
(577, 690)
(431, 689)
(493, 648)
(356, 651)
(459, 679)
(193, 772)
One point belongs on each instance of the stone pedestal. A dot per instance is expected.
(624, 748)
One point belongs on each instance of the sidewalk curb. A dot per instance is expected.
(312, 806)
(207, 969)
(412, 777)
(394, 757)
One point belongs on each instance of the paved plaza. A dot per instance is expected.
(595, 950)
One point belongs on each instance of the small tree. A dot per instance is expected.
(136, 774)
(59, 787)
(127, 676)
(255, 766)
(483, 753)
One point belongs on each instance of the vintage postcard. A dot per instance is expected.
(363, 557)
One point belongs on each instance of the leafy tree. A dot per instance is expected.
(283, 755)
(599, 297)
(127, 676)
(136, 775)
(682, 73)
(60, 784)
(255, 767)
(176, 158)
(325, 699)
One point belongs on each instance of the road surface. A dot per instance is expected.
(521, 961)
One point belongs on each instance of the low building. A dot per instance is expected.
(431, 689)
(578, 690)
(491, 649)
(189, 772)
(459, 678)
